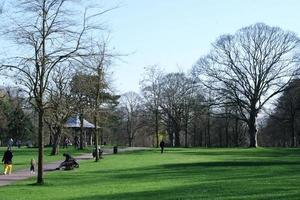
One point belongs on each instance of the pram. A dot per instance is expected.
(69, 164)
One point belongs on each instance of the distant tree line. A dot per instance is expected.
(175, 108)
(281, 128)
(219, 101)
(15, 118)
(216, 104)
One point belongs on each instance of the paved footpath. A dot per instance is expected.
(25, 173)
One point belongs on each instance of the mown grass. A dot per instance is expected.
(23, 155)
(178, 174)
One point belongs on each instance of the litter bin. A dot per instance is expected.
(115, 149)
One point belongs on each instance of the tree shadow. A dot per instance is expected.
(198, 191)
(242, 152)
(215, 170)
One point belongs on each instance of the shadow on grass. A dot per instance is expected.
(201, 165)
(241, 152)
(217, 171)
(229, 164)
(199, 191)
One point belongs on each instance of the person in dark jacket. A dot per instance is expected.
(7, 161)
(69, 162)
(162, 146)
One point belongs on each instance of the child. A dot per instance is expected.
(32, 164)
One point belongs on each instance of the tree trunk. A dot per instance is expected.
(101, 136)
(253, 137)
(50, 138)
(227, 133)
(129, 141)
(55, 146)
(208, 131)
(171, 137)
(186, 137)
(39, 101)
(294, 139)
(40, 179)
(252, 131)
(201, 138)
(186, 131)
(177, 137)
(96, 138)
(170, 132)
(236, 132)
(205, 137)
(220, 139)
(81, 132)
(156, 128)
(194, 134)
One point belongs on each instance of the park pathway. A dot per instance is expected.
(25, 173)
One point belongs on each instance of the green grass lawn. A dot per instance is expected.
(178, 174)
(23, 155)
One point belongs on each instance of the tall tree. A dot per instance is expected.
(50, 36)
(131, 106)
(99, 93)
(249, 68)
(151, 90)
(80, 84)
(60, 103)
(176, 90)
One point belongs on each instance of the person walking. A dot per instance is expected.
(32, 166)
(7, 161)
(10, 143)
(162, 146)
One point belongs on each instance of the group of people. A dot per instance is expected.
(69, 162)
(7, 161)
(67, 142)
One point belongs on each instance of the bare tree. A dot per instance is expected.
(60, 105)
(50, 36)
(96, 65)
(80, 86)
(249, 68)
(176, 92)
(285, 117)
(151, 89)
(131, 105)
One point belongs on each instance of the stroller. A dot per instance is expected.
(69, 163)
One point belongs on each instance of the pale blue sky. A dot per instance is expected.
(175, 33)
